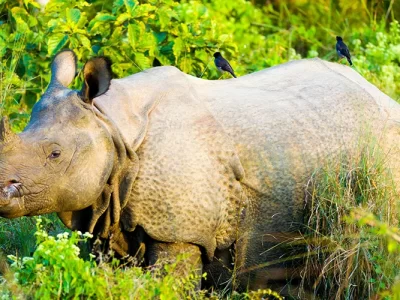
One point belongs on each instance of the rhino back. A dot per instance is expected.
(286, 119)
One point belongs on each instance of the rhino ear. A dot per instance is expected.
(63, 68)
(97, 74)
(6, 134)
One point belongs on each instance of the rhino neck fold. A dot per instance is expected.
(104, 215)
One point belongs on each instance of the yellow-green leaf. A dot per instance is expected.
(133, 34)
(177, 48)
(122, 18)
(56, 42)
(73, 16)
(100, 19)
(142, 61)
(85, 41)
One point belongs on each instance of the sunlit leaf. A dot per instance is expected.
(177, 48)
(122, 18)
(55, 43)
(85, 41)
(99, 20)
(73, 16)
(133, 34)
(129, 4)
(163, 17)
(31, 2)
(142, 61)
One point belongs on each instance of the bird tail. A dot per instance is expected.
(349, 60)
(233, 74)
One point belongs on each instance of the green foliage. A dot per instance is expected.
(378, 58)
(16, 236)
(351, 251)
(391, 235)
(131, 34)
(56, 271)
(184, 34)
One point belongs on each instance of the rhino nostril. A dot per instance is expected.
(13, 182)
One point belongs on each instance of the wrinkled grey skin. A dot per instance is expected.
(160, 163)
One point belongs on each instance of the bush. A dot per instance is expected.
(184, 34)
(56, 271)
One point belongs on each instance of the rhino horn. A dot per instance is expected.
(97, 74)
(63, 68)
(6, 134)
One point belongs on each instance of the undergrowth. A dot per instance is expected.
(353, 257)
(56, 270)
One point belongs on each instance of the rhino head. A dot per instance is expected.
(61, 161)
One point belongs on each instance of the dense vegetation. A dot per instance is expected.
(360, 250)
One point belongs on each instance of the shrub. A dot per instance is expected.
(180, 33)
(56, 271)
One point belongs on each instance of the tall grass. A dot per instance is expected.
(352, 261)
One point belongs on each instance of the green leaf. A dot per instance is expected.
(133, 34)
(117, 4)
(116, 36)
(164, 60)
(85, 41)
(167, 49)
(160, 36)
(142, 61)
(73, 16)
(31, 2)
(82, 22)
(122, 18)
(198, 42)
(32, 21)
(164, 18)
(28, 65)
(56, 42)
(100, 19)
(147, 41)
(143, 10)
(20, 15)
(129, 4)
(177, 48)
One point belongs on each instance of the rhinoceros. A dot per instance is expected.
(160, 163)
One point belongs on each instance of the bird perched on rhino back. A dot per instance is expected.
(343, 50)
(222, 64)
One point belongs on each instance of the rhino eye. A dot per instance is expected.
(55, 154)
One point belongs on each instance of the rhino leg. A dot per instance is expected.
(266, 252)
(166, 253)
(219, 270)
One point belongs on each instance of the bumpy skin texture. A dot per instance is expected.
(218, 162)
(187, 188)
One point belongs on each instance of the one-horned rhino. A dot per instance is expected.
(160, 162)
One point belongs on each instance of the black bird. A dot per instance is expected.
(342, 50)
(222, 64)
